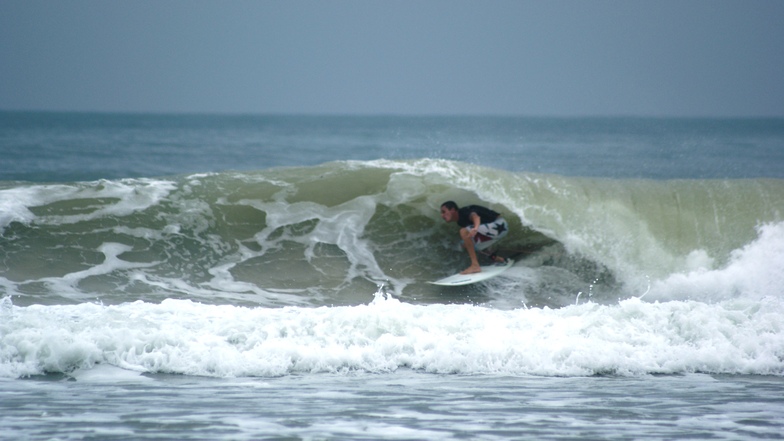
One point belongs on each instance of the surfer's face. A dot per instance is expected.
(448, 215)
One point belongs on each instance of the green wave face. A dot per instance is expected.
(338, 233)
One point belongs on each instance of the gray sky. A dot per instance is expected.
(549, 58)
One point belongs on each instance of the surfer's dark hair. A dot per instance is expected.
(450, 205)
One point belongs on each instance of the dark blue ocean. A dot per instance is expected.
(265, 277)
(47, 147)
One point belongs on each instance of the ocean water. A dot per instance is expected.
(265, 277)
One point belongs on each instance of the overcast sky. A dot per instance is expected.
(534, 58)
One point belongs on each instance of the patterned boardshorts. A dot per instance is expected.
(488, 234)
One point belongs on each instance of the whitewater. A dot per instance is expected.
(224, 296)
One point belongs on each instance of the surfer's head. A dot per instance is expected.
(449, 211)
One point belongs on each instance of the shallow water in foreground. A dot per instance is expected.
(106, 403)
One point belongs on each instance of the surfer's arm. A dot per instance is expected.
(477, 221)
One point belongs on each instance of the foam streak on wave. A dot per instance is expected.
(119, 198)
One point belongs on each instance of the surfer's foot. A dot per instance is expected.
(473, 269)
(497, 259)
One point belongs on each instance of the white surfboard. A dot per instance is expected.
(487, 272)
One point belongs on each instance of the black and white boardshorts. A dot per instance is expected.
(488, 234)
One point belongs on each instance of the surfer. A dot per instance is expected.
(481, 228)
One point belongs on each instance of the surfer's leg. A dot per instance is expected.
(489, 234)
(493, 256)
(487, 238)
(468, 242)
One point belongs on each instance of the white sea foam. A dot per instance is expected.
(128, 196)
(630, 338)
(754, 272)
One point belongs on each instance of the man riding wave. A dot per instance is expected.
(480, 229)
